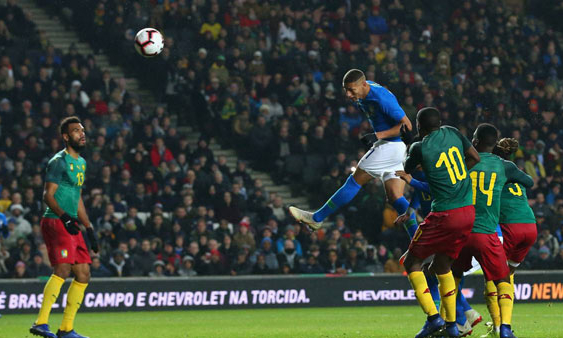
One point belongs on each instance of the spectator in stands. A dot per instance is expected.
(392, 265)
(266, 250)
(244, 236)
(97, 269)
(289, 235)
(143, 260)
(544, 261)
(333, 264)
(21, 271)
(187, 268)
(118, 265)
(37, 268)
(312, 265)
(289, 256)
(158, 269)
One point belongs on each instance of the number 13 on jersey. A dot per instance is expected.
(79, 179)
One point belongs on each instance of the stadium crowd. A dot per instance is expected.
(264, 78)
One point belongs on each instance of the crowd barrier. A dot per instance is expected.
(149, 294)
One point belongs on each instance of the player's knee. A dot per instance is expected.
(393, 193)
(439, 267)
(411, 264)
(83, 276)
(62, 271)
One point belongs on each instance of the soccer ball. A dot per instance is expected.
(149, 42)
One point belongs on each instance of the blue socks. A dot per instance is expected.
(411, 225)
(341, 197)
(461, 305)
(434, 291)
(401, 205)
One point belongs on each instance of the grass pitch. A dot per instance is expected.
(529, 321)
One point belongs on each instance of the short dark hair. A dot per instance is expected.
(487, 134)
(429, 118)
(352, 76)
(63, 127)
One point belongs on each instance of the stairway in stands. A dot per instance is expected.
(61, 38)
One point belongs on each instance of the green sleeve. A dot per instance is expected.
(55, 171)
(464, 140)
(414, 158)
(515, 175)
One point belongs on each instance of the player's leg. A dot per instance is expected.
(341, 197)
(473, 317)
(76, 290)
(421, 246)
(441, 265)
(75, 295)
(432, 285)
(60, 255)
(434, 322)
(491, 257)
(50, 295)
(394, 188)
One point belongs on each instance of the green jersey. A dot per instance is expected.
(514, 207)
(442, 156)
(489, 177)
(68, 173)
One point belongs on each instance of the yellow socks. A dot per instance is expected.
(446, 285)
(512, 280)
(505, 302)
(74, 300)
(492, 302)
(50, 295)
(420, 286)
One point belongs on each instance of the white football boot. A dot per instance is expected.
(305, 217)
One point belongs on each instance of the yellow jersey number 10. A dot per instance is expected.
(454, 164)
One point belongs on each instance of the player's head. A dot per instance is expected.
(72, 132)
(355, 85)
(506, 147)
(427, 120)
(485, 137)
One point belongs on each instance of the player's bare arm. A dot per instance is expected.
(49, 198)
(404, 176)
(83, 218)
(396, 130)
(471, 157)
(82, 215)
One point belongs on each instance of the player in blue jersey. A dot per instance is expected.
(466, 316)
(385, 156)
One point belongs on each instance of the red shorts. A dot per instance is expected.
(487, 250)
(518, 238)
(443, 232)
(62, 246)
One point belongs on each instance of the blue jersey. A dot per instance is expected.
(3, 226)
(422, 199)
(381, 109)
